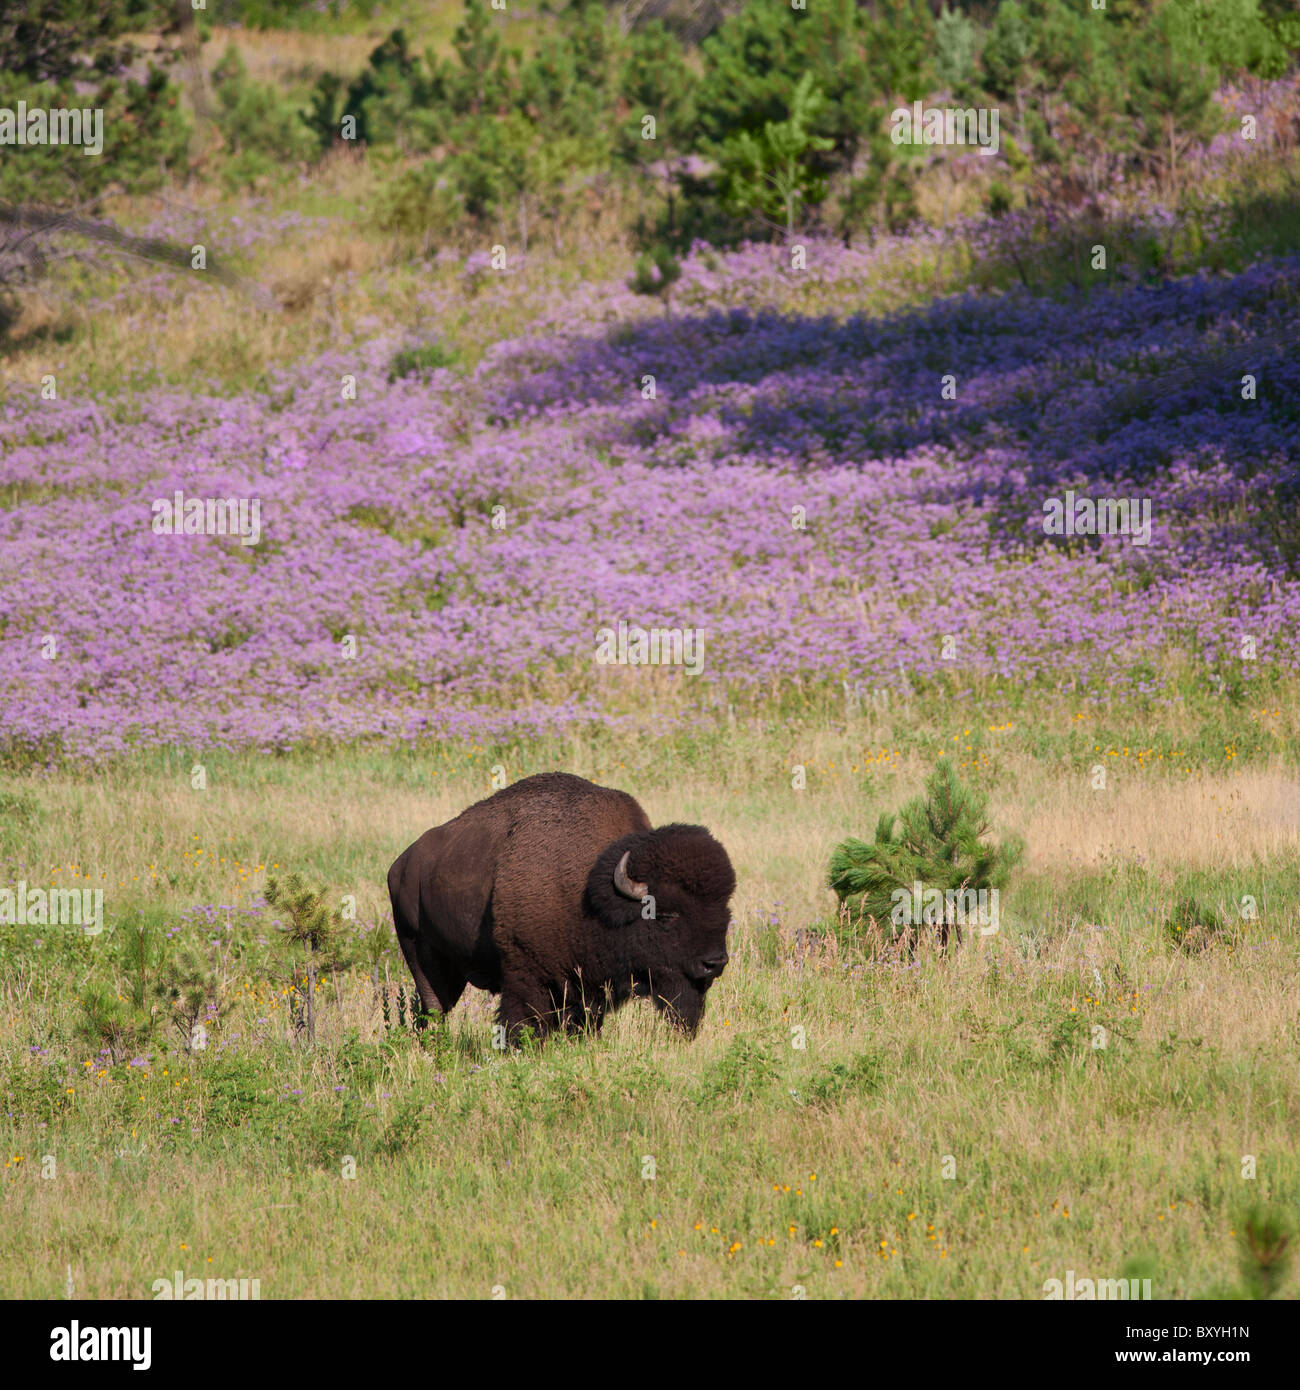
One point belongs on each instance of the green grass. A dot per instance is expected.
(970, 1134)
(1089, 1090)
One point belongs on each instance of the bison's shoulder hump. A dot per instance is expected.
(562, 794)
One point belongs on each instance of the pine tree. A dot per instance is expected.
(756, 59)
(313, 940)
(956, 42)
(479, 83)
(1172, 92)
(937, 840)
(770, 173)
(655, 272)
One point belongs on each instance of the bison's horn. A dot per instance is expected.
(625, 884)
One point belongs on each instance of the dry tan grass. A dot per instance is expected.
(1223, 821)
(285, 57)
(778, 838)
(319, 281)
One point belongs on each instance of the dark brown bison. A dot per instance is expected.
(557, 894)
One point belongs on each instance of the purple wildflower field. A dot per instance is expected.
(924, 515)
(921, 924)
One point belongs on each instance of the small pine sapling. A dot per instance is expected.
(313, 942)
(937, 840)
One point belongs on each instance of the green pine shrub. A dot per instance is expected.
(312, 943)
(937, 840)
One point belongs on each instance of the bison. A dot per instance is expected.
(558, 895)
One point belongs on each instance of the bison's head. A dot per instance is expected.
(662, 896)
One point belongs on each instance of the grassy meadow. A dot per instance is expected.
(850, 1123)
(496, 378)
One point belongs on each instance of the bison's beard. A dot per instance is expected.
(680, 1000)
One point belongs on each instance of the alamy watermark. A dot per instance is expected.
(629, 645)
(179, 515)
(946, 125)
(932, 907)
(191, 1290)
(1097, 1289)
(53, 907)
(40, 125)
(77, 1343)
(1108, 516)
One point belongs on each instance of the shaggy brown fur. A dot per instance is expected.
(517, 896)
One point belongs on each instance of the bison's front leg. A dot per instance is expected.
(525, 1004)
(579, 1008)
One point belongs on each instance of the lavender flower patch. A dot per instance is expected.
(820, 496)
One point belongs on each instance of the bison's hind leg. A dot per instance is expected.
(438, 981)
(440, 984)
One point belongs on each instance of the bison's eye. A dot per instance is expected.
(667, 916)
